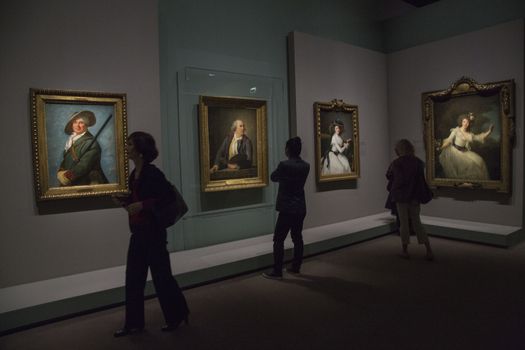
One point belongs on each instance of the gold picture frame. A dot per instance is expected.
(336, 141)
(78, 143)
(228, 164)
(469, 133)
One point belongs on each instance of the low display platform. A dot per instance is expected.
(41, 302)
(498, 235)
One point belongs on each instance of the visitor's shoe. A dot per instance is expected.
(127, 331)
(168, 327)
(293, 271)
(272, 275)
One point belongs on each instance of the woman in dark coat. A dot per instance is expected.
(408, 189)
(147, 246)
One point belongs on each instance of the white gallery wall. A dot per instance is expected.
(324, 70)
(488, 55)
(387, 89)
(101, 46)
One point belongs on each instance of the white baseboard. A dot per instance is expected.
(42, 292)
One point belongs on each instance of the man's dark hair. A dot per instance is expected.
(294, 146)
(144, 143)
(404, 148)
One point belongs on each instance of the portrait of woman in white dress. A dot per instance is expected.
(335, 160)
(456, 158)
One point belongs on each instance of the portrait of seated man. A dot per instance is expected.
(235, 152)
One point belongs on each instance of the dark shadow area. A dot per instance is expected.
(472, 195)
(72, 205)
(338, 289)
(231, 199)
(337, 185)
(226, 174)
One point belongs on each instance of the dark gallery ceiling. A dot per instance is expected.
(385, 9)
(420, 3)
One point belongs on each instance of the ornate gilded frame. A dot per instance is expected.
(324, 114)
(489, 104)
(50, 112)
(216, 115)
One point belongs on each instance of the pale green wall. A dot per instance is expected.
(244, 44)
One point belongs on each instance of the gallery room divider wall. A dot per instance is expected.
(325, 70)
(224, 216)
(229, 50)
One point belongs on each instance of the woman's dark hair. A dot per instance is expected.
(337, 122)
(144, 143)
(294, 146)
(468, 116)
(404, 148)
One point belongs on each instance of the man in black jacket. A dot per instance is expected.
(291, 205)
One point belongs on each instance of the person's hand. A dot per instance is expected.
(63, 178)
(134, 208)
(232, 166)
(348, 140)
(214, 169)
(444, 144)
(119, 199)
(69, 174)
(116, 200)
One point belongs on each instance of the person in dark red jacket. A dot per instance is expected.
(147, 245)
(408, 189)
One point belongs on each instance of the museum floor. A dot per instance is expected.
(364, 296)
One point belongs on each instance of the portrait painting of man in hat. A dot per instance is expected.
(82, 153)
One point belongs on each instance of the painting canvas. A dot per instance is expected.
(78, 143)
(233, 143)
(337, 141)
(468, 133)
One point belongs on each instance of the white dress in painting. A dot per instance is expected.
(335, 162)
(458, 161)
